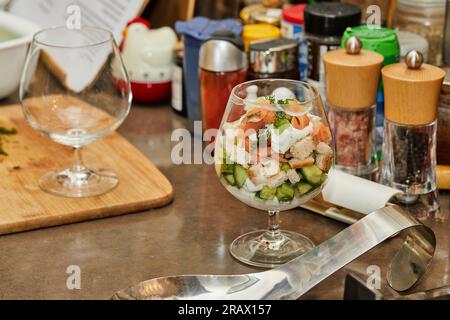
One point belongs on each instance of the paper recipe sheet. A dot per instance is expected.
(112, 15)
(108, 14)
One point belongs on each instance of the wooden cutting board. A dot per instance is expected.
(24, 206)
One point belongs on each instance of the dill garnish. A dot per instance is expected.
(4, 131)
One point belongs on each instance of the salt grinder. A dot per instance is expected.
(409, 146)
(352, 77)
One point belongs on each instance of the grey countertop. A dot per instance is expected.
(189, 236)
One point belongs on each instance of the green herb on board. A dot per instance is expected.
(4, 131)
(8, 132)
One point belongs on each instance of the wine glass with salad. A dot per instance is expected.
(273, 152)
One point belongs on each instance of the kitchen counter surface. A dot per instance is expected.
(189, 236)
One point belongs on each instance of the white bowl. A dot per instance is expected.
(13, 52)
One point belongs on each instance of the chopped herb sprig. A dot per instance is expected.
(7, 132)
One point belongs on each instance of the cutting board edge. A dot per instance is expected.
(95, 214)
(163, 185)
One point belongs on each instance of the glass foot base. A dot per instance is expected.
(263, 249)
(423, 206)
(80, 184)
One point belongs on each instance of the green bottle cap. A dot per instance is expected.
(378, 39)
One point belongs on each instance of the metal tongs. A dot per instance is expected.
(295, 278)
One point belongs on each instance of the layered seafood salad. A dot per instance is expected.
(273, 153)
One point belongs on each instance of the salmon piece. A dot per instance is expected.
(321, 133)
(269, 117)
(257, 118)
(300, 123)
(236, 113)
(295, 107)
(325, 135)
(247, 144)
(258, 114)
(252, 126)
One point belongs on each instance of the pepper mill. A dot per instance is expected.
(409, 145)
(352, 77)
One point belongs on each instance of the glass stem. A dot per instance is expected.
(274, 225)
(78, 165)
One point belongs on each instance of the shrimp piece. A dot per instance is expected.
(300, 123)
(321, 133)
(257, 118)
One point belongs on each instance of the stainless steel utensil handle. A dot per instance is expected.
(405, 270)
(295, 278)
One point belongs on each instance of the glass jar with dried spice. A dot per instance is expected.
(409, 147)
(443, 134)
(352, 77)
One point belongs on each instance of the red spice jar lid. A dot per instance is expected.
(294, 14)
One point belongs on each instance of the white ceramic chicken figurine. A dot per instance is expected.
(148, 54)
(149, 58)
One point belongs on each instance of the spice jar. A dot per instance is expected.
(268, 15)
(292, 28)
(443, 135)
(223, 65)
(425, 18)
(194, 32)
(274, 59)
(385, 42)
(325, 23)
(260, 31)
(178, 101)
(410, 41)
(352, 79)
(409, 149)
(245, 13)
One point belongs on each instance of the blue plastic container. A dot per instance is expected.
(195, 32)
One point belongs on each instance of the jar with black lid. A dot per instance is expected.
(274, 59)
(178, 102)
(325, 24)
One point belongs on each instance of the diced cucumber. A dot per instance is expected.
(285, 167)
(226, 169)
(313, 175)
(240, 175)
(285, 192)
(304, 188)
(283, 127)
(267, 193)
(281, 123)
(229, 178)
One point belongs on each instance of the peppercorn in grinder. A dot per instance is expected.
(409, 146)
(352, 78)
